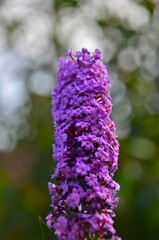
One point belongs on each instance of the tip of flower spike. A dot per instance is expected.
(97, 54)
(68, 52)
(83, 54)
(84, 50)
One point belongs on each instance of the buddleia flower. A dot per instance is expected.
(85, 150)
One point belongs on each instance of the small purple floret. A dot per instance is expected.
(85, 150)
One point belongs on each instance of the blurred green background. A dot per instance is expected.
(33, 34)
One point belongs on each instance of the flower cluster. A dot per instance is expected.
(85, 150)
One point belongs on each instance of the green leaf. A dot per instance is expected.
(47, 234)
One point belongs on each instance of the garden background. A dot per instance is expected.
(33, 34)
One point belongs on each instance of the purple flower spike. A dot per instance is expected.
(85, 150)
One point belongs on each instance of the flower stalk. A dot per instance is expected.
(85, 150)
